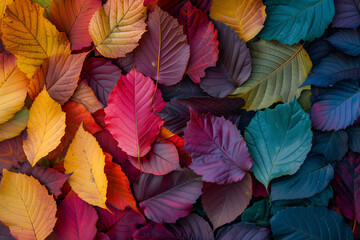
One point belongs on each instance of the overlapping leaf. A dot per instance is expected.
(347, 14)
(117, 26)
(11, 154)
(347, 41)
(15, 125)
(30, 36)
(3, 5)
(84, 95)
(354, 138)
(86, 161)
(45, 128)
(277, 137)
(259, 213)
(244, 231)
(245, 17)
(278, 71)
(26, 207)
(163, 53)
(73, 18)
(332, 145)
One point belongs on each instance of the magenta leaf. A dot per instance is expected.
(76, 219)
(169, 197)
(243, 231)
(219, 152)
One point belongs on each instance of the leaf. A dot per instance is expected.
(313, 177)
(84, 95)
(109, 145)
(118, 193)
(202, 40)
(5, 232)
(45, 128)
(336, 108)
(347, 186)
(13, 87)
(30, 36)
(162, 158)
(218, 151)
(15, 125)
(333, 68)
(332, 145)
(258, 213)
(245, 17)
(23, 199)
(73, 18)
(347, 14)
(272, 64)
(174, 6)
(314, 222)
(154, 230)
(130, 115)
(167, 198)
(244, 231)
(288, 21)
(318, 49)
(223, 203)
(354, 138)
(278, 140)
(233, 67)
(119, 224)
(11, 154)
(3, 6)
(117, 26)
(76, 219)
(163, 53)
(125, 63)
(86, 161)
(347, 41)
(102, 76)
(45, 4)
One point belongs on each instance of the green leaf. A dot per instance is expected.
(278, 71)
(278, 141)
(258, 213)
(290, 21)
(45, 4)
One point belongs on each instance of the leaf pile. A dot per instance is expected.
(180, 119)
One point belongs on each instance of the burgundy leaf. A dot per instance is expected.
(11, 154)
(219, 152)
(173, 6)
(163, 53)
(223, 203)
(169, 197)
(101, 236)
(125, 63)
(108, 144)
(258, 188)
(154, 231)
(202, 38)
(76, 219)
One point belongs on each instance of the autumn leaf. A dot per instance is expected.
(117, 27)
(86, 161)
(26, 207)
(30, 36)
(45, 127)
(3, 5)
(14, 126)
(85, 95)
(11, 154)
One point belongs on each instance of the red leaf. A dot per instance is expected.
(11, 154)
(218, 151)
(130, 115)
(119, 225)
(99, 117)
(258, 188)
(76, 219)
(202, 36)
(118, 191)
(102, 76)
(163, 53)
(162, 158)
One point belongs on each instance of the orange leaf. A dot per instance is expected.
(26, 207)
(86, 96)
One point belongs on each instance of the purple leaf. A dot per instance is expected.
(223, 203)
(5, 232)
(125, 63)
(347, 41)
(243, 231)
(218, 151)
(169, 197)
(347, 186)
(347, 14)
(233, 67)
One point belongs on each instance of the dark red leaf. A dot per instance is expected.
(11, 154)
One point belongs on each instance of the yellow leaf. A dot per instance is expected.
(26, 207)
(246, 17)
(85, 95)
(30, 36)
(3, 4)
(86, 161)
(45, 128)
(14, 126)
(13, 87)
(117, 27)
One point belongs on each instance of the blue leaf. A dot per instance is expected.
(290, 21)
(309, 223)
(313, 177)
(336, 107)
(243, 231)
(347, 14)
(318, 49)
(332, 145)
(333, 68)
(278, 141)
(347, 41)
(354, 138)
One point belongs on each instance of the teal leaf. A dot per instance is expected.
(258, 213)
(332, 145)
(278, 141)
(290, 21)
(354, 138)
(309, 223)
